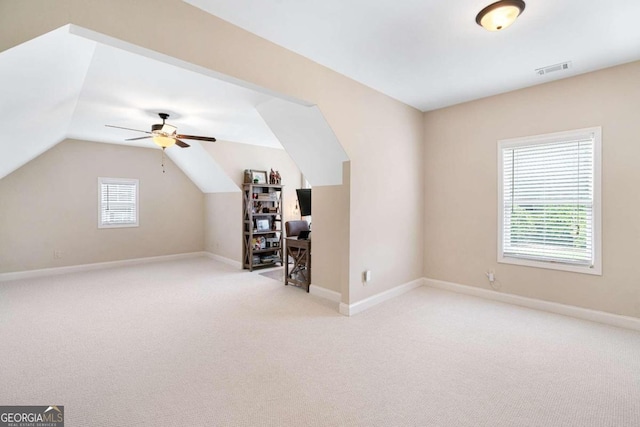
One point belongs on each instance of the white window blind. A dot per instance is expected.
(118, 202)
(548, 199)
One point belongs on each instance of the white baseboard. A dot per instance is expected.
(325, 293)
(228, 261)
(29, 274)
(536, 304)
(357, 307)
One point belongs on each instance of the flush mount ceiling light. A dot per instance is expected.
(499, 15)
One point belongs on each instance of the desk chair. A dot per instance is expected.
(300, 253)
(293, 228)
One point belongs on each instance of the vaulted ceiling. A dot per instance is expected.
(428, 53)
(70, 82)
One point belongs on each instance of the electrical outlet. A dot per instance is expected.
(57, 254)
(366, 276)
(493, 282)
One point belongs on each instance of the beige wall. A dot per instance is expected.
(409, 205)
(223, 211)
(383, 137)
(461, 187)
(387, 198)
(331, 246)
(51, 204)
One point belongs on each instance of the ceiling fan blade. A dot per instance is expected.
(197, 138)
(135, 139)
(181, 143)
(120, 127)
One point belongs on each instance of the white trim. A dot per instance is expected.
(592, 132)
(527, 262)
(224, 260)
(597, 199)
(546, 138)
(357, 307)
(536, 304)
(122, 181)
(54, 271)
(325, 293)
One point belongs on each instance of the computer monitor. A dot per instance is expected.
(304, 201)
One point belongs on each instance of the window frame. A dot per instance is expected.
(596, 267)
(129, 181)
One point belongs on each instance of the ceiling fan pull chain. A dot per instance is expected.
(162, 159)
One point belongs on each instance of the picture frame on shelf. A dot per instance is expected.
(262, 224)
(259, 243)
(259, 177)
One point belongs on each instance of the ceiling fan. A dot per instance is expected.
(165, 135)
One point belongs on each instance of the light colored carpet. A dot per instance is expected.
(196, 343)
(275, 274)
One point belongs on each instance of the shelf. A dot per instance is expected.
(261, 233)
(251, 184)
(255, 233)
(266, 196)
(266, 264)
(262, 251)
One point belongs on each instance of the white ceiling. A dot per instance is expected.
(308, 139)
(431, 53)
(127, 89)
(70, 82)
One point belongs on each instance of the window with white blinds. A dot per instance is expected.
(550, 201)
(118, 202)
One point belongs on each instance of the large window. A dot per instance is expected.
(118, 202)
(549, 201)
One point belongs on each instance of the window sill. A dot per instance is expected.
(596, 270)
(117, 225)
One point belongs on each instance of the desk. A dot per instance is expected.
(300, 273)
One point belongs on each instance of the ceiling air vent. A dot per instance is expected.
(553, 68)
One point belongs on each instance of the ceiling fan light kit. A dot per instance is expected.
(162, 133)
(163, 141)
(500, 15)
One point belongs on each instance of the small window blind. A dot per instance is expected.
(118, 202)
(548, 200)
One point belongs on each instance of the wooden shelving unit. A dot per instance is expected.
(262, 225)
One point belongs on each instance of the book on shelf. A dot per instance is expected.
(267, 197)
(269, 259)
